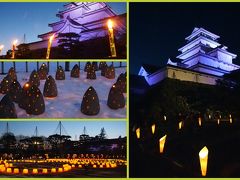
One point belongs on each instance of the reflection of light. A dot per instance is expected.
(203, 156)
(51, 37)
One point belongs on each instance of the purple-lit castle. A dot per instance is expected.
(88, 19)
(203, 60)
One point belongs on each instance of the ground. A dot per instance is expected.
(70, 92)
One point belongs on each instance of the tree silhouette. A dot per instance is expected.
(8, 139)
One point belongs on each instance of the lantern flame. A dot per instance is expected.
(180, 125)
(203, 156)
(138, 133)
(153, 128)
(110, 24)
(162, 143)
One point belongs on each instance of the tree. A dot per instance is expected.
(8, 139)
(103, 134)
(69, 46)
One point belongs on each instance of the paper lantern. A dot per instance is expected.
(60, 74)
(203, 157)
(116, 99)
(12, 73)
(138, 133)
(95, 66)
(7, 108)
(60, 170)
(15, 170)
(35, 171)
(15, 91)
(34, 78)
(122, 82)
(5, 84)
(91, 73)
(94, 166)
(25, 171)
(102, 65)
(162, 141)
(80, 166)
(90, 103)
(9, 170)
(44, 171)
(153, 128)
(50, 88)
(104, 69)
(43, 71)
(110, 72)
(75, 72)
(35, 102)
(87, 66)
(53, 170)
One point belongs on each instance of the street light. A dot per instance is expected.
(111, 38)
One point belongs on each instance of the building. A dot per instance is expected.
(88, 19)
(203, 60)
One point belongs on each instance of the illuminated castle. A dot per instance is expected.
(203, 60)
(88, 19)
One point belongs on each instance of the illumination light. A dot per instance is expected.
(203, 157)
(110, 24)
(162, 141)
(138, 133)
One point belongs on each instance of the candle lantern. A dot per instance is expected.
(110, 72)
(60, 74)
(203, 157)
(122, 82)
(162, 143)
(180, 125)
(50, 88)
(95, 66)
(7, 108)
(90, 103)
(34, 78)
(43, 71)
(87, 66)
(199, 121)
(138, 133)
(24, 100)
(153, 128)
(75, 72)
(91, 72)
(116, 99)
(5, 84)
(12, 73)
(102, 65)
(15, 91)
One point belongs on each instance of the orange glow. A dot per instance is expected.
(1, 47)
(60, 169)
(199, 121)
(15, 42)
(9, 170)
(162, 141)
(51, 38)
(44, 171)
(15, 170)
(35, 171)
(110, 24)
(53, 170)
(180, 125)
(203, 156)
(25, 171)
(138, 133)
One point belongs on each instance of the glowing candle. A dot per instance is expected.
(53, 170)
(153, 128)
(35, 171)
(199, 121)
(180, 125)
(138, 133)
(9, 170)
(203, 156)
(60, 169)
(44, 171)
(218, 121)
(15, 170)
(162, 143)
(25, 171)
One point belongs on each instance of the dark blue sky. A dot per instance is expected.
(158, 30)
(73, 128)
(32, 19)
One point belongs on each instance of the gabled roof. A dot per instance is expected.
(150, 68)
(196, 31)
(138, 82)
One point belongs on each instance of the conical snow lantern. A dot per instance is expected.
(87, 66)
(102, 65)
(203, 157)
(110, 72)
(95, 66)
(15, 91)
(24, 99)
(122, 82)
(35, 104)
(91, 73)
(43, 72)
(50, 88)
(75, 72)
(90, 103)
(115, 98)
(12, 73)
(7, 108)
(34, 78)
(5, 84)
(60, 74)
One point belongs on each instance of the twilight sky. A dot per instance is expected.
(158, 30)
(73, 128)
(32, 19)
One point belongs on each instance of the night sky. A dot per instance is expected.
(32, 19)
(113, 129)
(158, 30)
